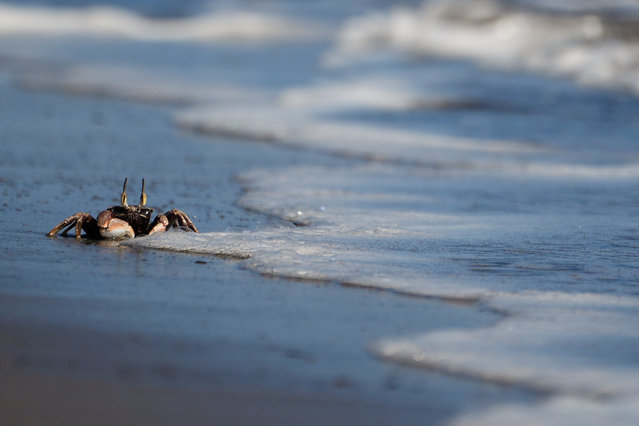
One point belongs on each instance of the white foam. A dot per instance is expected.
(300, 121)
(113, 22)
(363, 92)
(563, 410)
(554, 342)
(497, 35)
(305, 127)
(369, 225)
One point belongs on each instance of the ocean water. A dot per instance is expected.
(495, 162)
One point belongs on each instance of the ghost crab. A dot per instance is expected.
(123, 221)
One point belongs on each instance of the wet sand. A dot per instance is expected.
(103, 334)
(44, 400)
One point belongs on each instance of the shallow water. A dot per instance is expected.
(477, 151)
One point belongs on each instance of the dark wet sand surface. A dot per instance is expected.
(102, 334)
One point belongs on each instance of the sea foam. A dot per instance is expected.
(594, 49)
(120, 23)
(306, 127)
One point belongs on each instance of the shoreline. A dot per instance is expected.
(318, 167)
(74, 313)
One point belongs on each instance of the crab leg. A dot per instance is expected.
(64, 233)
(179, 217)
(81, 221)
(172, 218)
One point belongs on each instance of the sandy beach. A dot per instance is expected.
(104, 334)
(44, 400)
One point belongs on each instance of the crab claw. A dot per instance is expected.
(111, 227)
(160, 224)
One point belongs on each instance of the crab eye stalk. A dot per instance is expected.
(142, 195)
(123, 196)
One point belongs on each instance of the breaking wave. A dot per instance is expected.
(590, 45)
